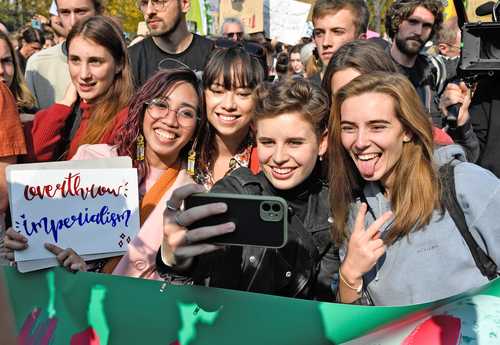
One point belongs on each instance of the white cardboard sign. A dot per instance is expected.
(93, 211)
(287, 19)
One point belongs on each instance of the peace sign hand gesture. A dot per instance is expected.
(364, 249)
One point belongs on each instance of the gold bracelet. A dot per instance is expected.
(357, 289)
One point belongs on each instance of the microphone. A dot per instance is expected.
(485, 9)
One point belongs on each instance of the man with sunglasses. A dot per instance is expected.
(170, 40)
(232, 29)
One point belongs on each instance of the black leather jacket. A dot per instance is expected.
(303, 268)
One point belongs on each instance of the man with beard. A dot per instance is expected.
(170, 44)
(410, 24)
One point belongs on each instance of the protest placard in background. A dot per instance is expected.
(93, 211)
(251, 13)
(287, 20)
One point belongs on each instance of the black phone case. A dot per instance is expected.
(246, 212)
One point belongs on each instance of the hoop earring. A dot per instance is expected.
(140, 148)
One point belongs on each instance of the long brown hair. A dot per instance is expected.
(18, 87)
(104, 32)
(415, 191)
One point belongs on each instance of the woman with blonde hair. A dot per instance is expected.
(399, 243)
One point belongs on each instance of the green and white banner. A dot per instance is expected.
(58, 307)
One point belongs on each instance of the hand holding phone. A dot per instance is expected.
(259, 220)
(179, 245)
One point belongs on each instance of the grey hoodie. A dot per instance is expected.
(435, 262)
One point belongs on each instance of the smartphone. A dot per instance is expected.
(260, 220)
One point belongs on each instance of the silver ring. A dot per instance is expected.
(178, 221)
(171, 206)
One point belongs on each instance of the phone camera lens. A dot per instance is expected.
(266, 207)
(276, 207)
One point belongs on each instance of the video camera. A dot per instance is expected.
(480, 54)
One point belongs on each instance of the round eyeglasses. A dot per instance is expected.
(159, 108)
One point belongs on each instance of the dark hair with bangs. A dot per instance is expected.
(237, 69)
(155, 87)
(293, 95)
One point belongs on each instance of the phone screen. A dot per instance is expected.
(260, 220)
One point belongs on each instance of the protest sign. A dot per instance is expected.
(287, 20)
(89, 308)
(197, 14)
(251, 13)
(93, 211)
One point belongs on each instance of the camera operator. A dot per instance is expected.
(484, 113)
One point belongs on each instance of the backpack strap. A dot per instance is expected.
(485, 264)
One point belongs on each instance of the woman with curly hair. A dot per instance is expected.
(162, 121)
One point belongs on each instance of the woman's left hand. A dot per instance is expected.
(365, 246)
(67, 258)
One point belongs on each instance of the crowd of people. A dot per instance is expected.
(351, 131)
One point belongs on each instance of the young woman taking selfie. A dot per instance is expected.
(290, 121)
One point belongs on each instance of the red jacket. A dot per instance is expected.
(44, 134)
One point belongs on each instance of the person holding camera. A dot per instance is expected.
(483, 111)
(290, 120)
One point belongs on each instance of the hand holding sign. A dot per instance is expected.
(67, 258)
(93, 211)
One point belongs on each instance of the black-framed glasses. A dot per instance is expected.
(158, 5)
(159, 108)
